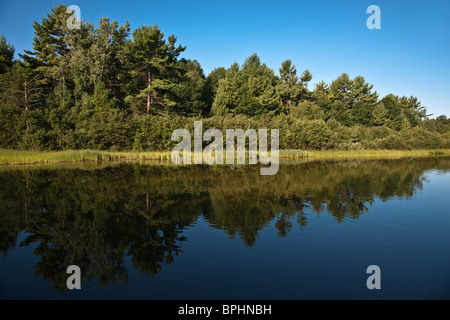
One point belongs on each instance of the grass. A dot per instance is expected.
(14, 157)
(301, 154)
(32, 157)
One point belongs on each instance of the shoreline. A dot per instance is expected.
(20, 157)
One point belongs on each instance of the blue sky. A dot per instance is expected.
(409, 55)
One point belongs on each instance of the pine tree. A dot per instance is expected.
(107, 56)
(361, 92)
(288, 86)
(49, 45)
(258, 94)
(321, 88)
(153, 62)
(249, 90)
(210, 87)
(341, 89)
(305, 77)
(226, 98)
(380, 115)
(188, 90)
(6, 55)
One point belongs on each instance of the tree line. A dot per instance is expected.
(105, 87)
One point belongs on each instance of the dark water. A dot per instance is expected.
(198, 232)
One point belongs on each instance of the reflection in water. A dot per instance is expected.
(94, 218)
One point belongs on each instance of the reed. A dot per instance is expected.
(301, 154)
(36, 157)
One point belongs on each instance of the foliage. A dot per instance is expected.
(98, 88)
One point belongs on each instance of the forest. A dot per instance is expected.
(105, 87)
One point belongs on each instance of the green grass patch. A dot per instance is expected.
(41, 157)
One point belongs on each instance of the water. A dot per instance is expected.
(141, 231)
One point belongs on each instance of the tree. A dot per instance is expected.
(249, 90)
(400, 122)
(307, 110)
(321, 88)
(289, 88)
(305, 77)
(361, 92)
(153, 63)
(210, 87)
(380, 115)
(413, 106)
(49, 46)
(188, 90)
(258, 94)
(340, 89)
(6, 55)
(107, 56)
(226, 97)
(350, 91)
(361, 113)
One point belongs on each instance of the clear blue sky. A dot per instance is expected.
(409, 55)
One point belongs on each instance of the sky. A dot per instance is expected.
(409, 55)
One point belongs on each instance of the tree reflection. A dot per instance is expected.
(97, 218)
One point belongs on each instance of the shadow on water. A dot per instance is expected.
(96, 216)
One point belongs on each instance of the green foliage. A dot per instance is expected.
(6, 54)
(321, 88)
(210, 87)
(380, 115)
(307, 110)
(153, 62)
(289, 87)
(189, 89)
(248, 90)
(97, 88)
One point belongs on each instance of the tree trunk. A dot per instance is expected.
(26, 102)
(149, 83)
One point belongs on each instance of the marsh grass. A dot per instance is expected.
(42, 157)
(31, 157)
(301, 154)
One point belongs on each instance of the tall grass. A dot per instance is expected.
(34, 157)
(29, 157)
(301, 154)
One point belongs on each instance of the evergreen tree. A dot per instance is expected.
(380, 115)
(305, 77)
(50, 47)
(210, 87)
(289, 88)
(340, 89)
(307, 110)
(107, 56)
(6, 55)
(226, 98)
(413, 107)
(258, 94)
(189, 89)
(250, 90)
(361, 113)
(153, 63)
(321, 88)
(361, 92)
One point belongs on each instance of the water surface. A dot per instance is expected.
(149, 231)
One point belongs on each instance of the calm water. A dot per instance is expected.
(198, 232)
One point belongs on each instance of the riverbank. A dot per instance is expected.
(15, 157)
